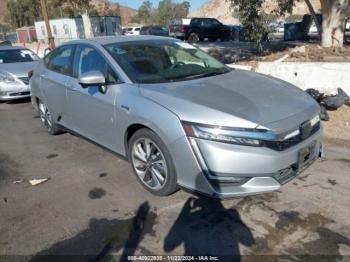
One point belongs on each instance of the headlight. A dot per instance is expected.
(6, 77)
(315, 120)
(239, 136)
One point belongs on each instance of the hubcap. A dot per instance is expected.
(45, 116)
(149, 163)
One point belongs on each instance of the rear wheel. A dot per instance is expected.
(193, 38)
(152, 163)
(47, 119)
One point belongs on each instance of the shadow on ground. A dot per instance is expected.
(204, 227)
(103, 237)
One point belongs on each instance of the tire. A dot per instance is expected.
(193, 38)
(46, 119)
(155, 171)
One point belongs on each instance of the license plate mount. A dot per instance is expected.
(306, 155)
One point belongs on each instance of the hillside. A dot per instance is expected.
(222, 10)
(126, 13)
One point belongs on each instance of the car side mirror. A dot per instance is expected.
(93, 78)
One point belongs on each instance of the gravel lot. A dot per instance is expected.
(93, 205)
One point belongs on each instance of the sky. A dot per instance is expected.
(136, 3)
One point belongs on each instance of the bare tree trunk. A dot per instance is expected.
(334, 14)
(314, 17)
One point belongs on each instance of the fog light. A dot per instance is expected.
(229, 179)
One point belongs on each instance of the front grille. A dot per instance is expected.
(25, 80)
(285, 144)
(20, 94)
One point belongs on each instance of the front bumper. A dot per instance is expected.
(14, 92)
(227, 170)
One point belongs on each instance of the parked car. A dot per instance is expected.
(154, 30)
(15, 63)
(199, 29)
(277, 27)
(181, 118)
(5, 43)
(132, 31)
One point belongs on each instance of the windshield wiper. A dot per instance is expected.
(206, 74)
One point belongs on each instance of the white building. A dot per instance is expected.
(66, 29)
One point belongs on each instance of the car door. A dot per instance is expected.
(93, 112)
(54, 79)
(209, 28)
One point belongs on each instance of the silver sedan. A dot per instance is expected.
(15, 64)
(181, 118)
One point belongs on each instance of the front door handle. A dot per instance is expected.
(69, 85)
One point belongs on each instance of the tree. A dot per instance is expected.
(69, 8)
(334, 15)
(181, 9)
(26, 12)
(251, 14)
(144, 13)
(333, 12)
(23, 12)
(165, 11)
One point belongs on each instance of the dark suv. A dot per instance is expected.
(199, 29)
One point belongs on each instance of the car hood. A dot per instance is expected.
(18, 69)
(238, 99)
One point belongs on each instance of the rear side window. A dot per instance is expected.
(196, 22)
(60, 60)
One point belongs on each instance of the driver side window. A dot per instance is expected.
(87, 59)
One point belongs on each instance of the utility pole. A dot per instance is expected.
(51, 40)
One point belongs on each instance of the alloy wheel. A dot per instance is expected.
(149, 163)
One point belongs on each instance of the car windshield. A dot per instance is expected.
(17, 56)
(159, 61)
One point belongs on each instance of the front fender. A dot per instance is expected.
(132, 108)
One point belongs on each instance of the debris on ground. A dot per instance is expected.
(329, 102)
(245, 53)
(18, 181)
(308, 53)
(324, 114)
(35, 182)
(337, 130)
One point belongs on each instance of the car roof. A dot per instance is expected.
(105, 40)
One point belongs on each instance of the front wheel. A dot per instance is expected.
(152, 163)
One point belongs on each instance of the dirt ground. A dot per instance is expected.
(247, 53)
(337, 131)
(93, 207)
(308, 52)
